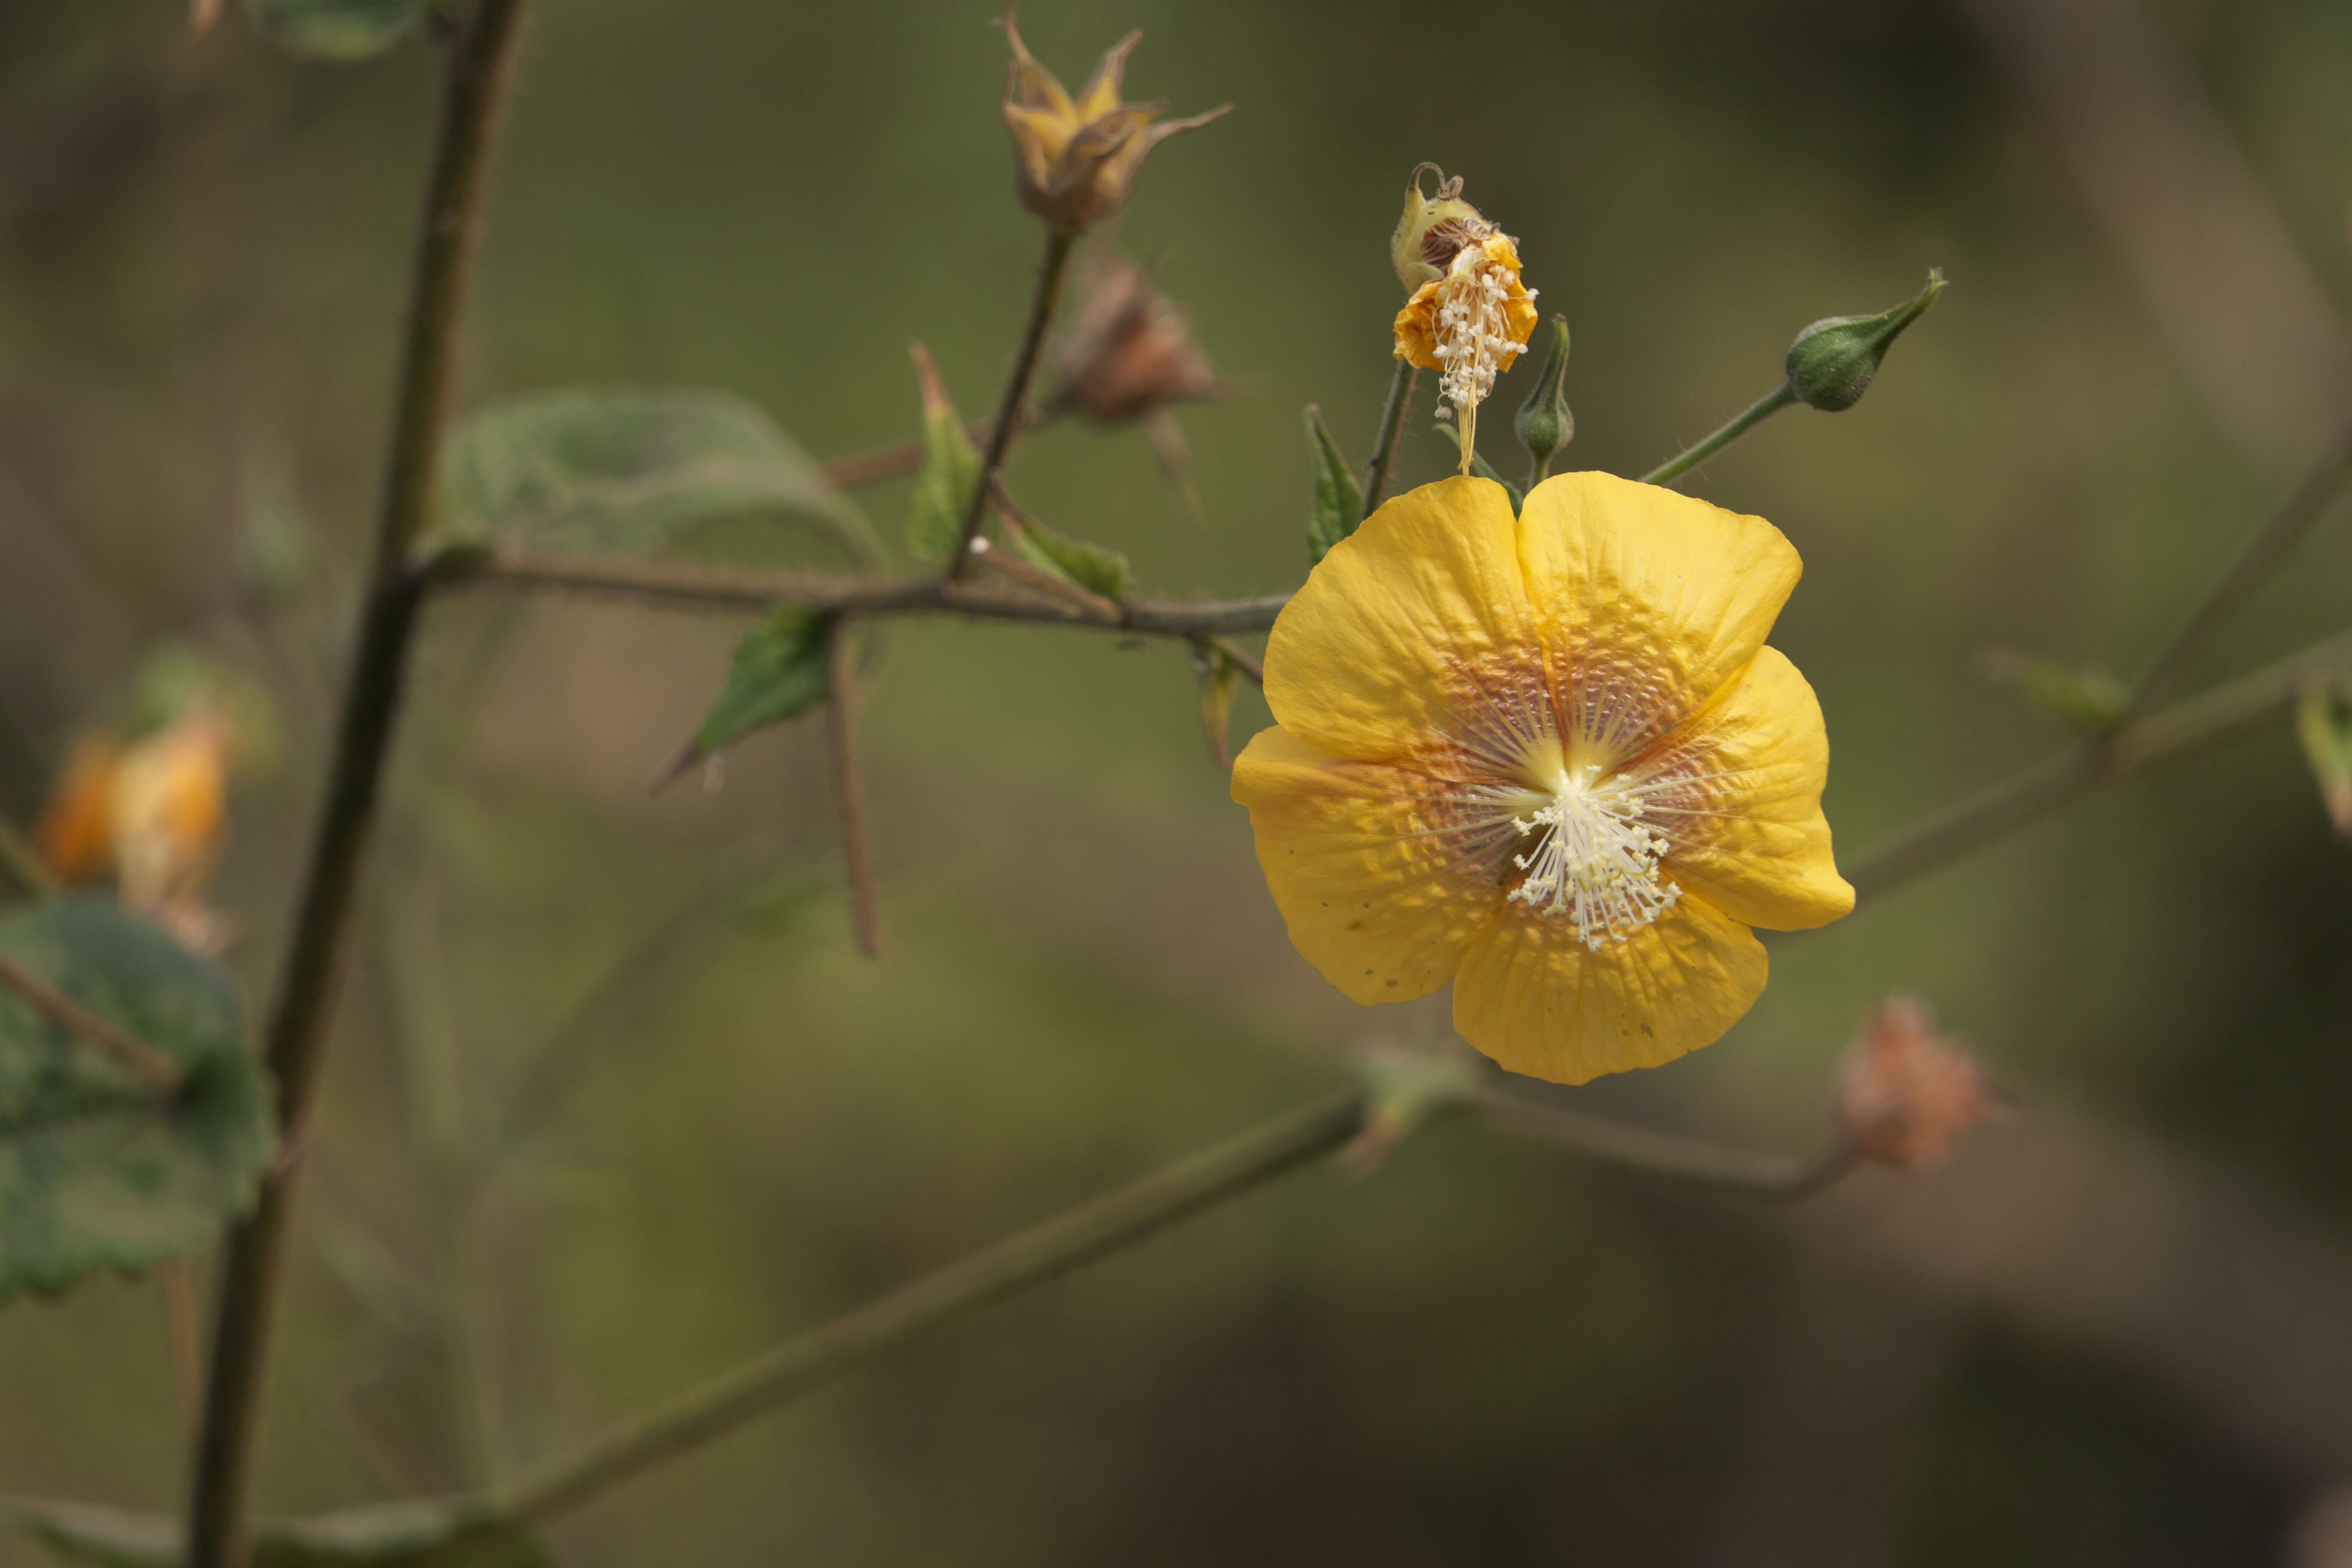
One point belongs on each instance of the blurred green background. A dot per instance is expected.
(2118, 1329)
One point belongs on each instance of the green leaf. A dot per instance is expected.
(424, 1534)
(96, 1168)
(2090, 700)
(336, 29)
(1090, 566)
(2323, 721)
(628, 472)
(779, 673)
(1339, 499)
(1481, 467)
(943, 485)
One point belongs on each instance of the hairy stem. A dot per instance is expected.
(2270, 545)
(2208, 718)
(1084, 1235)
(849, 785)
(480, 63)
(689, 586)
(1402, 382)
(1013, 405)
(134, 1055)
(1747, 419)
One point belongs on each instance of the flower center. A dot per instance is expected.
(1473, 331)
(1595, 863)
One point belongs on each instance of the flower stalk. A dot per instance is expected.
(1738, 425)
(1013, 407)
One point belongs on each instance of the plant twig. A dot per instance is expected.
(154, 1068)
(2208, 718)
(689, 586)
(870, 467)
(480, 64)
(848, 785)
(1241, 658)
(2304, 506)
(1749, 1171)
(1401, 381)
(24, 862)
(1084, 1235)
(1012, 410)
(1747, 419)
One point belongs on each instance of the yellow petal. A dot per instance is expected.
(1416, 329)
(1100, 95)
(1745, 824)
(1539, 1002)
(1383, 876)
(1411, 640)
(1648, 601)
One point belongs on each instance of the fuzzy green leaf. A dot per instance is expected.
(1090, 566)
(1339, 499)
(336, 29)
(98, 1169)
(393, 1535)
(780, 672)
(628, 472)
(943, 485)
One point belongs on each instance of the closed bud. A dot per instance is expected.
(1907, 1093)
(1831, 363)
(1545, 422)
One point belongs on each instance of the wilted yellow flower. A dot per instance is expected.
(1077, 161)
(152, 815)
(1551, 759)
(1469, 317)
(1907, 1093)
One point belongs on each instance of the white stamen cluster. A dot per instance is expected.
(1595, 864)
(1473, 333)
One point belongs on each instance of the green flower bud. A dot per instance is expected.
(1544, 422)
(1832, 362)
(1433, 229)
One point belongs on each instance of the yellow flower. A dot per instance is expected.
(1077, 161)
(150, 813)
(1547, 758)
(1470, 323)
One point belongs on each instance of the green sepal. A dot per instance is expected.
(943, 485)
(1095, 568)
(1830, 364)
(1339, 499)
(780, 671)
(1545, 422)
(99, 1169)
(1481, 468)
(2323, 721)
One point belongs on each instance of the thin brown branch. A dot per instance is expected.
(849, 785)
(1012, 410)
(151, 1066)
(870, 467)
(688, 586)
(480, 65)
(1241, 658)
(1747, 1172)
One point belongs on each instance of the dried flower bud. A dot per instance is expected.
(1907, 1093)
(1076, 160)
(1830, 364)
(1129, 351)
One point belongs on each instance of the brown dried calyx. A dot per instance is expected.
(1907, 1093)
(1131, 352)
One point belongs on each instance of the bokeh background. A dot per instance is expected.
(2118, 1329)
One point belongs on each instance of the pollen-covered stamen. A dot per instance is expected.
(1473, 342)
(1596, 863)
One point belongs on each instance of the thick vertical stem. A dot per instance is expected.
(252, 1261)
(1402, 382)
(1014, 407)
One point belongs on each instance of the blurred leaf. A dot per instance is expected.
(1090, 566)
(943, 485)
(1219, 677)
(624, 472)
(2323, 721)
(97, 1169)
(779, 673)
(1339, 499)
(1481, 467)
(393, 1535)
(2088, 699)
(336, 29)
